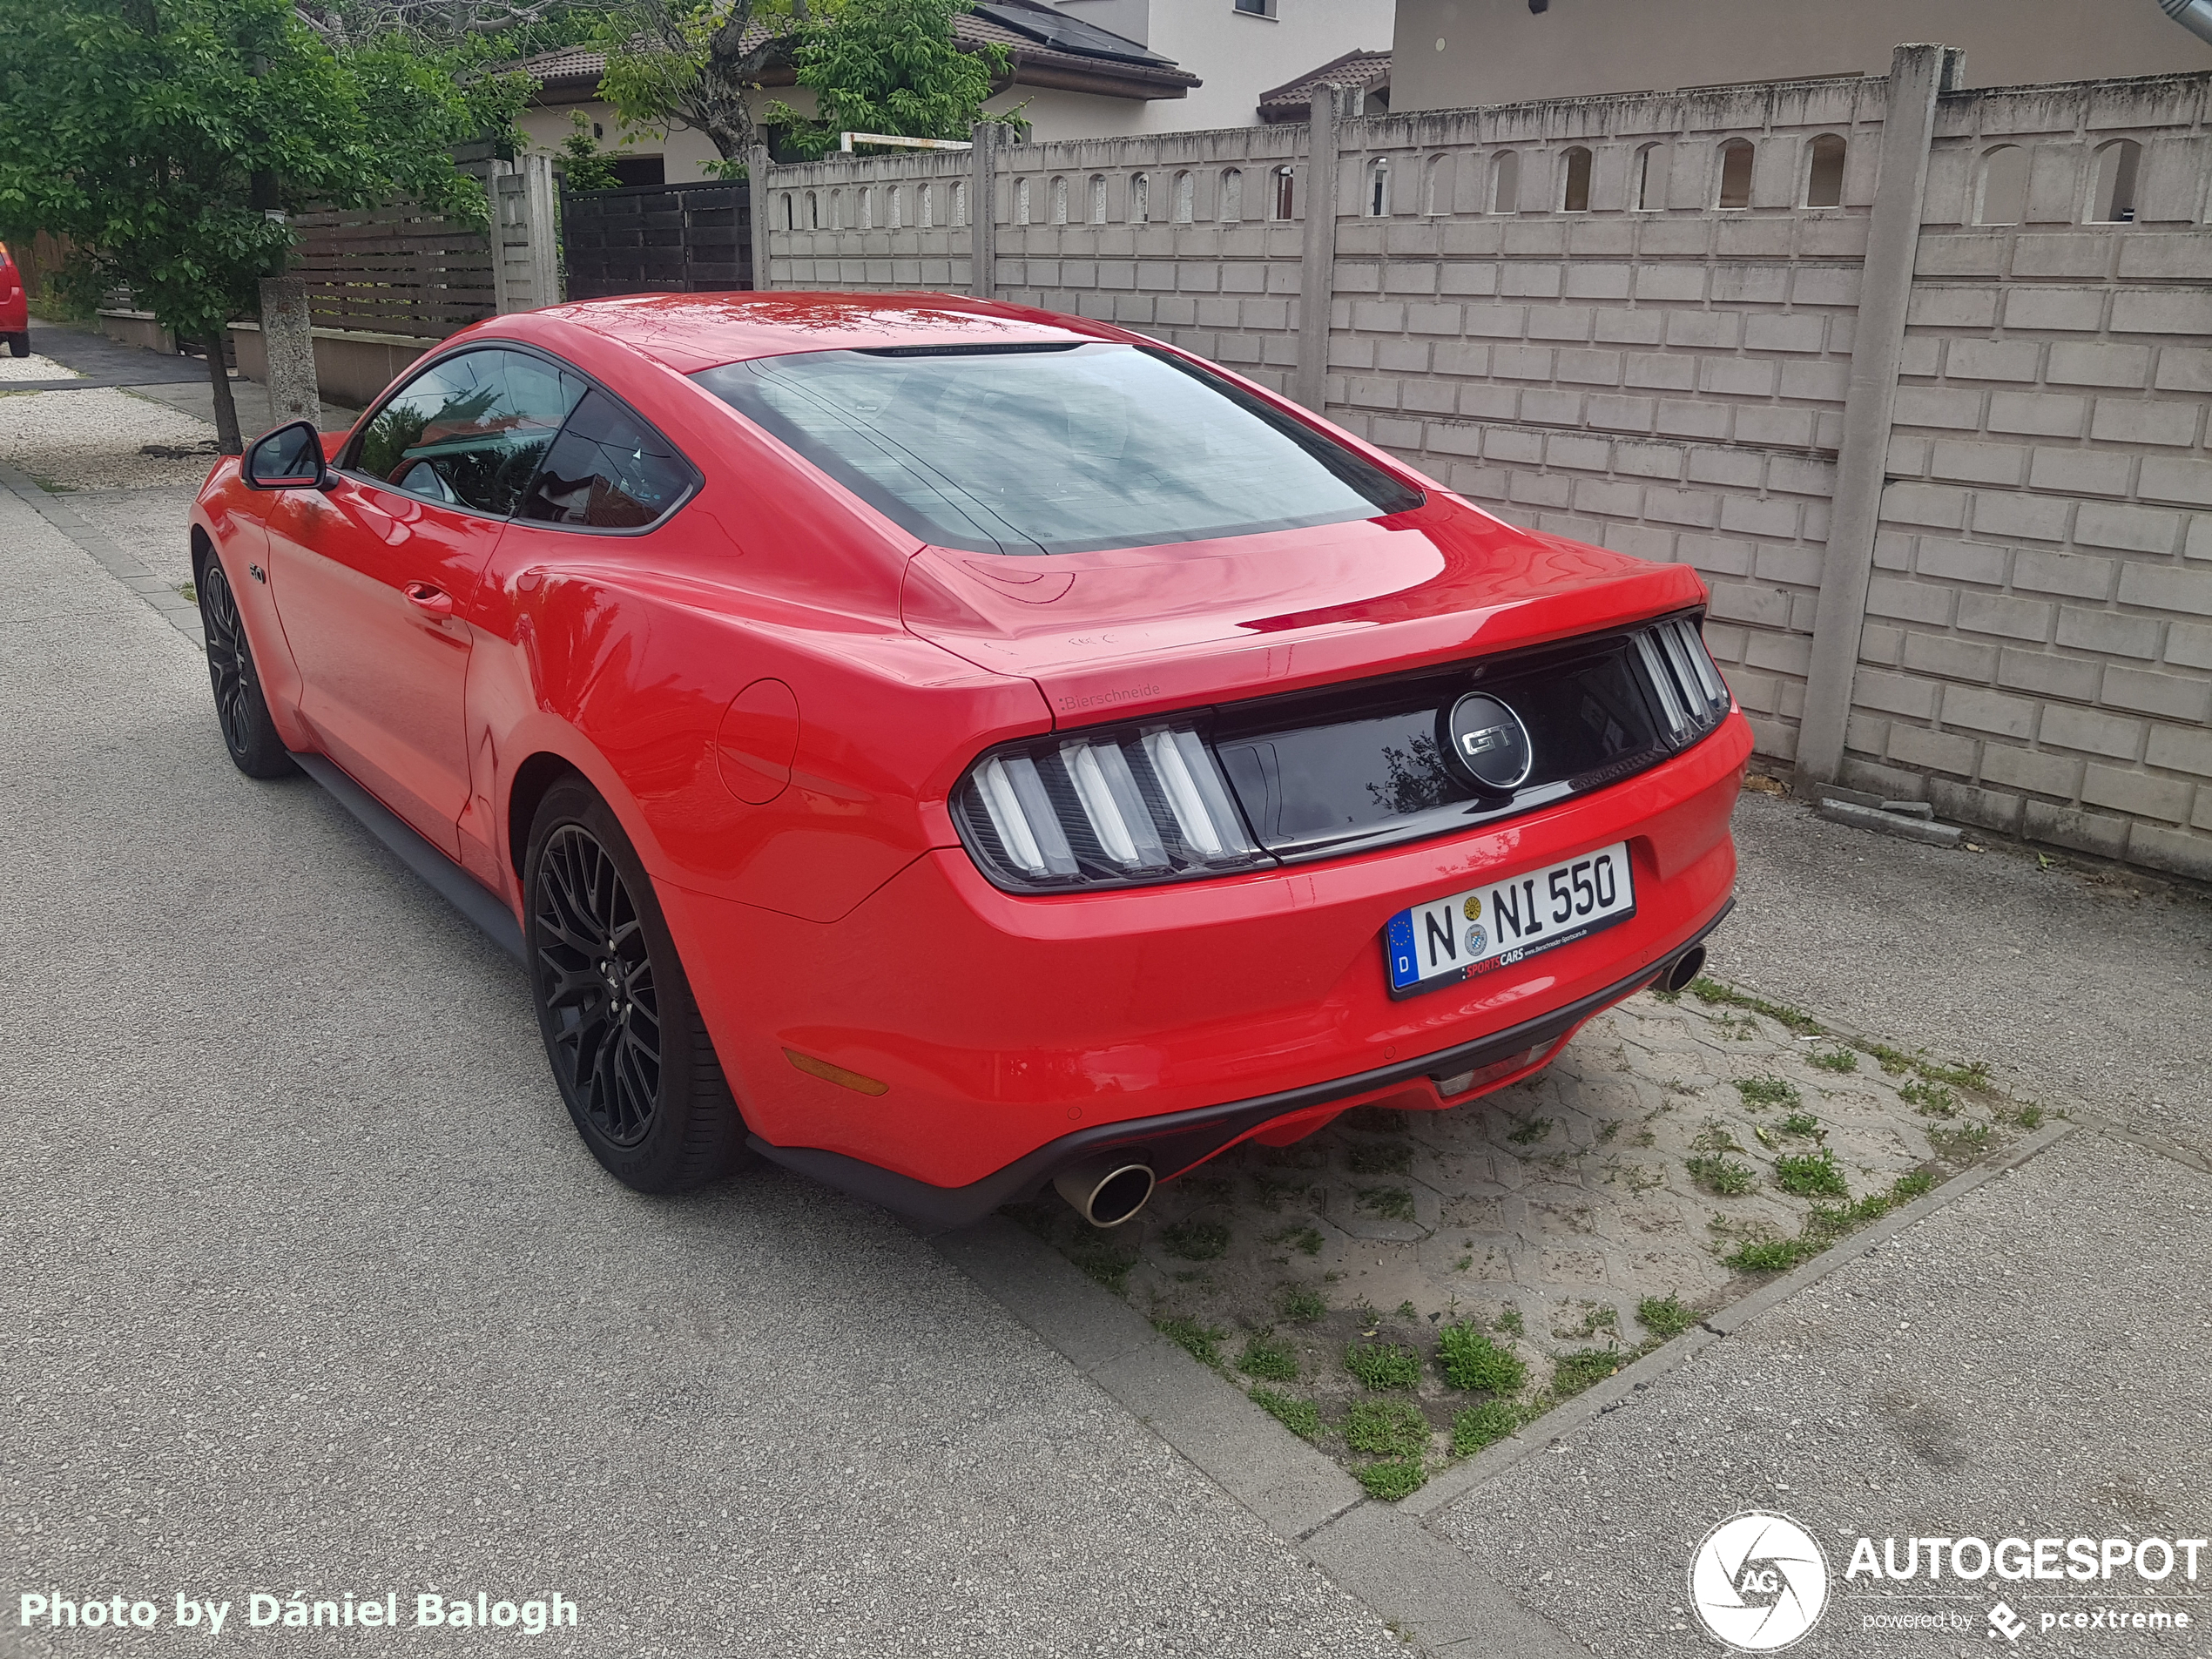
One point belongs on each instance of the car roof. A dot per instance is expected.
(690, 332)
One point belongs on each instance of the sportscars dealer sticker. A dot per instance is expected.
(1447, 940)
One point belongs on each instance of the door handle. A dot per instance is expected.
(424, 596)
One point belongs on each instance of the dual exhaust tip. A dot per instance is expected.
(1107, 1191)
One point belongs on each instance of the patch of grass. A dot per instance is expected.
(1799, 1123)
(1301, 1417)
(1810, 1174)
(191, 591)
(1711, 991)
(1665, 1316)
(1306, 1240)
(1665, 995)
(1768, 1091)
(1974, 1075)
(1392, 1478)
(1966, 1141)
(1530, 1132)
(1195, 1241)
(1608, 1130)
(1727, 1177)
(1480, 1426)
(1470, 1360)
(1573, 1372)
(1827, 1223)
(1270, 1358)
(1301, 1305)
(1108, 1265)
(1379, 1157)
(2025, 1116)
(1509, 1322)
(1202, 1342)
(1392, 1204)
(1383, 1365)
(1930, 1100)
(1386, 1428)
(1405, 1310)
(1834, 1060)
(1595, 1319)
(1769, 1255)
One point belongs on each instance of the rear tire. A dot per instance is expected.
(622, 1034)
(19, 345)
(240, 709)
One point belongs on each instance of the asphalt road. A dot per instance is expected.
(311, 1288)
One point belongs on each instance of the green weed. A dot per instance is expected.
(1106, 1264)
(1530, 1132)
(1710, 991)
(1810, 1174)
(1200, 1342)
(1725, 1176)
(1195, 1241)
(1306, 1240)
(1967, 1141)
(1930, 1100)
(1665, 1316)
(1480, 1426)
(1573, 1372)
(1471, 1361)
(1835, 1060)
(1383, 1365)
(1767, 1091)
(1301, 1417)
(1392, 1204)
(1509, 1322)
(1379, 1157)
(1799, 1123)
(1301, 1305)
(1271, 1358)
(1386, 1428)
(1393, 1479)
(1769, 1255)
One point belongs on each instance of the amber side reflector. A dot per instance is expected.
(837, 1074)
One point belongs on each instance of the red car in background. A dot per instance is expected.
(14, 306)
(948, 748)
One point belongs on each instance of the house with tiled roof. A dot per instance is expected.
(1293, 100)
(1080, 69)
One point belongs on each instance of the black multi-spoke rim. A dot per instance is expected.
(594, 978)
(230, 665)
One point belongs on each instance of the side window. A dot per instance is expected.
(470, 431)
(608, 471)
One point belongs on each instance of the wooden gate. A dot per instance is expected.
(658, 239)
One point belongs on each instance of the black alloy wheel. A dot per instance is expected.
(631, 1054)
(240, 709)
(595, 982)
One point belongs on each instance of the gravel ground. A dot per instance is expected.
(34, 368)
(95, 440)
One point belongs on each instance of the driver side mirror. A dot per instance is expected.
(288, 458)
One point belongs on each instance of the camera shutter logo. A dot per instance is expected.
(1758, 1581)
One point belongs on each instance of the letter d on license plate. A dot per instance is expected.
(1500, 923)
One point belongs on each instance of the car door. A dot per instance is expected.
(373, 579)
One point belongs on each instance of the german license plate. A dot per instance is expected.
(1447, 940)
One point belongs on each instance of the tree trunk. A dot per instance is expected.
(227, 441)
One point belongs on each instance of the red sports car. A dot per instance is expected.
(14, 306)
(950, 749)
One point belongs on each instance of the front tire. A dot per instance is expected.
(243, 712)
(629, 1051)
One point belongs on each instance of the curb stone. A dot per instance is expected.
(179, 612)
(1884, 822)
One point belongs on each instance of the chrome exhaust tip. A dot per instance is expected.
(1677, 975)
(1106, 1191)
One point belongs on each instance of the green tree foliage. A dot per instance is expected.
(158, 138)
(690, 63)
(890, 66)
(587, 165)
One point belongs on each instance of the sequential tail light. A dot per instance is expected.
(1691, 697)
(1112, 807)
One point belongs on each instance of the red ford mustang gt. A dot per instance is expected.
(948, 749)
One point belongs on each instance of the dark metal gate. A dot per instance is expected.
(663, 239)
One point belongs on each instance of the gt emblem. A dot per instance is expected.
(1487, 743)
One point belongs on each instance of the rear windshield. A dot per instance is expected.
(1062, 450)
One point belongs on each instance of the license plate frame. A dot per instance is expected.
(1442, 942)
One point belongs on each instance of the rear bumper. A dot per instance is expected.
(1011, 1033)
(1177, 1142)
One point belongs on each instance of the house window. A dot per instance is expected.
(928, 216)
(1650, 182)
(1060, 201)
(1735, 173)
(1824, 172)
(2000, 186)
(1231, 199)
(1140, 199)
(2113, 199)
(1378, 188)
(1283, 200)
(1256, 8)
(1097, 209)
(1575, 180)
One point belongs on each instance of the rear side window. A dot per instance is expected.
(1062, 450)
(469, 432)
(608, 471)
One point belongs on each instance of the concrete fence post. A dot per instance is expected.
(756, 202)
(1318, 254)
(1917, 74)
(288, 343)
(541, 202)
(982, 211)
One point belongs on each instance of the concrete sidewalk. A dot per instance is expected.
(314, 1290)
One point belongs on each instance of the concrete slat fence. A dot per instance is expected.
(1922, 395)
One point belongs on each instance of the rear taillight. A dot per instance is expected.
(1692, 700)
(1109, 807)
